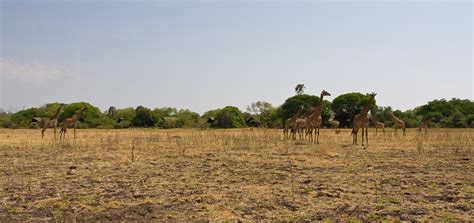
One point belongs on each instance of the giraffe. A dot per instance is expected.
(424, 125)
(52, 122)
(71, 122)
(302, 124)
(361, 121)
(378, 125)
(397, 124)
(291, 123)
(314, 120)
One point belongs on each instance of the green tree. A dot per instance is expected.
(188, 119)
(299, 89)
(347, 106)
(22, 119)
(92, 117)
(230, 117)
(126, 116)
(143, 117)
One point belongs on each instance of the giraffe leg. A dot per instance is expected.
(367, 135)
(42, 133)
(74, 132)
(362, 136)
(55, 133)
(317, 137)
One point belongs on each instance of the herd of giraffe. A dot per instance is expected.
(305, 126)
(52, 122)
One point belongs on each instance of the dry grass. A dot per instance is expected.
(245, 174)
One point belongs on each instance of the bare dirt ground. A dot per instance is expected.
(245, 174)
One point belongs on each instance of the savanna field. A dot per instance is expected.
(243, 174)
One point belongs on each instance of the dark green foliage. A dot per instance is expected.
(22, 119)
(91, 118)
(347, 106)
(126, 116)
(188, 119)
(211, 114)
(143, 118)
(230, 117)
(453, 113)
(5, 120)
(292, 104)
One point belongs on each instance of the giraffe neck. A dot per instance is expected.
(56, 115)
(297, 115)
(367, 107)
(317, 111)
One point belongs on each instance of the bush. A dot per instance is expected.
(230, 117)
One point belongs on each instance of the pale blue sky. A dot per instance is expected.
(203, 55)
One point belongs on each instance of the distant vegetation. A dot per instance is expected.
(454, 113)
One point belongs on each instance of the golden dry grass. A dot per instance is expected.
(244, 174)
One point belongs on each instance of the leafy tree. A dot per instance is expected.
(143, 117)
(452, 113)
(230, 117)
(347, 106)
(299, 89)
(112, 112)
(292, 104)
(211, 114)
(22, 119)
(126, 116)
(5, 120)
(92, 117)
(188, 119)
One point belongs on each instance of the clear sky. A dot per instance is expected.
(204, 55)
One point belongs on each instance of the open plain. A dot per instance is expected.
(244, 174)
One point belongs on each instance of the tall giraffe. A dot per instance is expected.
(397, 124)
(52, 122)
(378, 125)
(424, 125)
(314, 121)
(291, 123)
(361, 121)
(71, 122)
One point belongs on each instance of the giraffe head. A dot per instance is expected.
(325, 93)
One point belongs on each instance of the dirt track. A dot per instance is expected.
(235, 175)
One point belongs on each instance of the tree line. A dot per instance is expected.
(453, 113)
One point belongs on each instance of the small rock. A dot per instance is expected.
(307, 181)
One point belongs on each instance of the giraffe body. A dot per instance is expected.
(314, 120)
(361, 121)
(397, 124)
(52, 122)
(71, 122)
(378, 125)
(292, 124)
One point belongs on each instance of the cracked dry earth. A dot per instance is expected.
(236, 175)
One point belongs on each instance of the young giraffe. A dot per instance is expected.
(378, 125)
(424, 125)
(71, 122)
(361, 121)
(397, 124)
(52, 122)
(314, 121)
(302, 124)
(291, 123)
